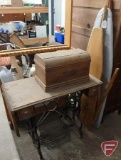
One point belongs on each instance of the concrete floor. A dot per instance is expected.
(65, 144)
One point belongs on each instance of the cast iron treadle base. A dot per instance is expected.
(72, 104)
(33, 133)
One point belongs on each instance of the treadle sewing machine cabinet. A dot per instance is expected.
(30, 99)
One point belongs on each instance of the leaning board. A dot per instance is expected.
(108, 45)
(95, 49)
(108, 52)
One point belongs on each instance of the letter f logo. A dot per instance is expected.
(108, 147)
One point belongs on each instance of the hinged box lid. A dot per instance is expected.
(62, 57)
(65, 67)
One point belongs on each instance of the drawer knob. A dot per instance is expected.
(26, 112)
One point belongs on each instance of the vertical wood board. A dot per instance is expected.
(84, 17)
(68, 22)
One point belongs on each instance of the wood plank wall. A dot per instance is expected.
(83, 17)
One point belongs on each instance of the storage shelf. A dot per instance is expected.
(21, 10)
(6, 10)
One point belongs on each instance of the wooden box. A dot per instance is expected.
(56, 69)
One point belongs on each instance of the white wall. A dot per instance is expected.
(59, 13)
(49, 5)
(63, 14)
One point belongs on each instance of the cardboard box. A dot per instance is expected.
(41, 31)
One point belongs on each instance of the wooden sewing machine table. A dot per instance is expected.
(22, 98)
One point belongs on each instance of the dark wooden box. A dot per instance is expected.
(56, 69)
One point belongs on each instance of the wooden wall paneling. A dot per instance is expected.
(96, 4)
(81, 30)
(79, 41)
(82, 26)
(85, 11)
(116, 4)
(85, 18)
(90, 3)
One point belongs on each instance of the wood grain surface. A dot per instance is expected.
(95, 49)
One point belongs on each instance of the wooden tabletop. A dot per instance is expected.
(26, 92)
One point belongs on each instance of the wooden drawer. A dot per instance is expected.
(34, 110)
(93, 91)
(25, 113)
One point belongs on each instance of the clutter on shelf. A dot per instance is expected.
(32, 29)
(36, 29)
(59, 34)
(31, 2)
(11, 26)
